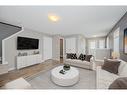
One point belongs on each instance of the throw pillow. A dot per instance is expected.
(87, 58)
(123, 73)
(73, 56)
(68, 56)
(111, 66)
(82, 57)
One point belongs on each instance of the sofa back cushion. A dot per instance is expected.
(111, 66)
(88, 57)
(82, 57)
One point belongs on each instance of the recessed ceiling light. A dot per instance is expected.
(53, 17)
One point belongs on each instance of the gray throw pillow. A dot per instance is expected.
(87, 58)
(68, 56)
(111, 66)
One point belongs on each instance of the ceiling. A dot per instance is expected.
(87, 20)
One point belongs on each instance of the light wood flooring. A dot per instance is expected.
(28, 71)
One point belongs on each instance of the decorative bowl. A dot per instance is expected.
(66, 67)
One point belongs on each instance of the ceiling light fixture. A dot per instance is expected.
(94, 35)
(53, 17)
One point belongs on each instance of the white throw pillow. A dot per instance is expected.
(122, 64)
(122, 71)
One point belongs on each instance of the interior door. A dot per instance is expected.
(47, 48)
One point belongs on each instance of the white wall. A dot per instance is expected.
(47, 48)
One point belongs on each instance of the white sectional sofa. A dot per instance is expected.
(105, 78)
(83, 64)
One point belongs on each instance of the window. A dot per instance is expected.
(97, 43)
(116, 41)
(101, 44)
(107, 42)
(92, 44)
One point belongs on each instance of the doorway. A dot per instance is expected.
(61, 50)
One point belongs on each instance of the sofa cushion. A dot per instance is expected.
(87, 58)
(111, 66)
(75, 61)
(78, 62)
(122, 64)
(82, 57)
(122, 71)
(87, 63)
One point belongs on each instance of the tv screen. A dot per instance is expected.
(27, 43)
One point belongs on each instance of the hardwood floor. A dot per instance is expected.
(28, 71)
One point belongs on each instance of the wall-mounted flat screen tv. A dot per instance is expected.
(24, 43)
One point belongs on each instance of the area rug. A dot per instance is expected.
(42, 80)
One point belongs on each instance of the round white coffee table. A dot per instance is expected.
(71, 76)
